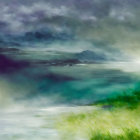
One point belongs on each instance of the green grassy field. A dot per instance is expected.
(117, 118)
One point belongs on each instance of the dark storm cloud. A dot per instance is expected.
(8, 65)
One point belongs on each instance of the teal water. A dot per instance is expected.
(76, 85)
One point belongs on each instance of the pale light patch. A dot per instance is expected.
(121, 14)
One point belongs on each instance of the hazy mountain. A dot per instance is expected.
(90, 56)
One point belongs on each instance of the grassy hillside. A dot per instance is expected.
(117, 118)
(130, 101)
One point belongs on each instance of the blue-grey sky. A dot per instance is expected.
(111, 22)
(21, 16)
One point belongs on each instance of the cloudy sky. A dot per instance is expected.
(102, 24)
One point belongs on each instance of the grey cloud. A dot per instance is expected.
(111, 21)
(23, 15)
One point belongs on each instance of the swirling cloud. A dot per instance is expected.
(20, 16)
(113, 22)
